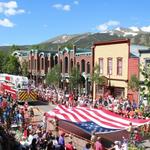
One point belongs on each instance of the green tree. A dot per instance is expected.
(12, 66)
(145, 91)
(2, 60)
(68, 45)
(36, 47)
(133, 83)
(97, 78)
(74, 78)
(13, 48)
(53, 76)
(24, 68)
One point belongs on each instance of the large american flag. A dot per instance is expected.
(98, 120)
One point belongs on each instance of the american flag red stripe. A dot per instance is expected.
(76, 116)
(103, 120)
(125, 120)
(107, 118)
(101, 117)
(98, 120)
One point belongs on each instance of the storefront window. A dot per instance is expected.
(66, 64)
(88, 67)
(109, 66)
(42, 63)
(83, 65)
(119, 66)
(101, 65)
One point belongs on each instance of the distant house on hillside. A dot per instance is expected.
(22, 55)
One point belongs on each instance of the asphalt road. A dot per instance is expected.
(43, 106)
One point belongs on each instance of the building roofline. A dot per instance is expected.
(117, 41)
(133, 55)
(144, 51)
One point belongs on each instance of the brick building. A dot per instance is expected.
(40, 62)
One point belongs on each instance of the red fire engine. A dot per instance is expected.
(18, 87)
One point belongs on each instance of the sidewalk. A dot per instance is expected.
(146, 144)
(38, 116)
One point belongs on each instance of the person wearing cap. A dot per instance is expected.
(98, 144)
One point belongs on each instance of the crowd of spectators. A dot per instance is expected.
(121, 106)
(17, 128)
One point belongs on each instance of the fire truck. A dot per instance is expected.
(18, 87)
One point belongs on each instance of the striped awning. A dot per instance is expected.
(89, 119)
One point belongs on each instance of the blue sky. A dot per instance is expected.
(35, 21)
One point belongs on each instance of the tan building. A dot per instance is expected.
(113, 59)
(22, 55)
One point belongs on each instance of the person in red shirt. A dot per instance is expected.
(71, 99)
(137, 136)
(69, 146)
(4, 104)
(98, 144)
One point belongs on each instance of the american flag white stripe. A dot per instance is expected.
(93, 117)
(135, 122)
(71, 117)
(55, 115)
(68, 116)
(107, 118)
(113, 118)
(78, 116)
(116, 118)
(102, 118)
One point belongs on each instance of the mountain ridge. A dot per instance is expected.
(85, 40)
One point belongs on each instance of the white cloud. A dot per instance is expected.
(76, 2)
(145, 28)
(62, 7)
(6, 23)
(10, 8)
(10, 12)
(107, 25)
(58, 6)
(11, 4)
(66, 7)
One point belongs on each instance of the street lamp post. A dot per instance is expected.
(109, 83)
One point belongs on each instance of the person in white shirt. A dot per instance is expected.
(29, 140)
(117, 146)
(124, 144)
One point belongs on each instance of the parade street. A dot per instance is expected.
(41, 107)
